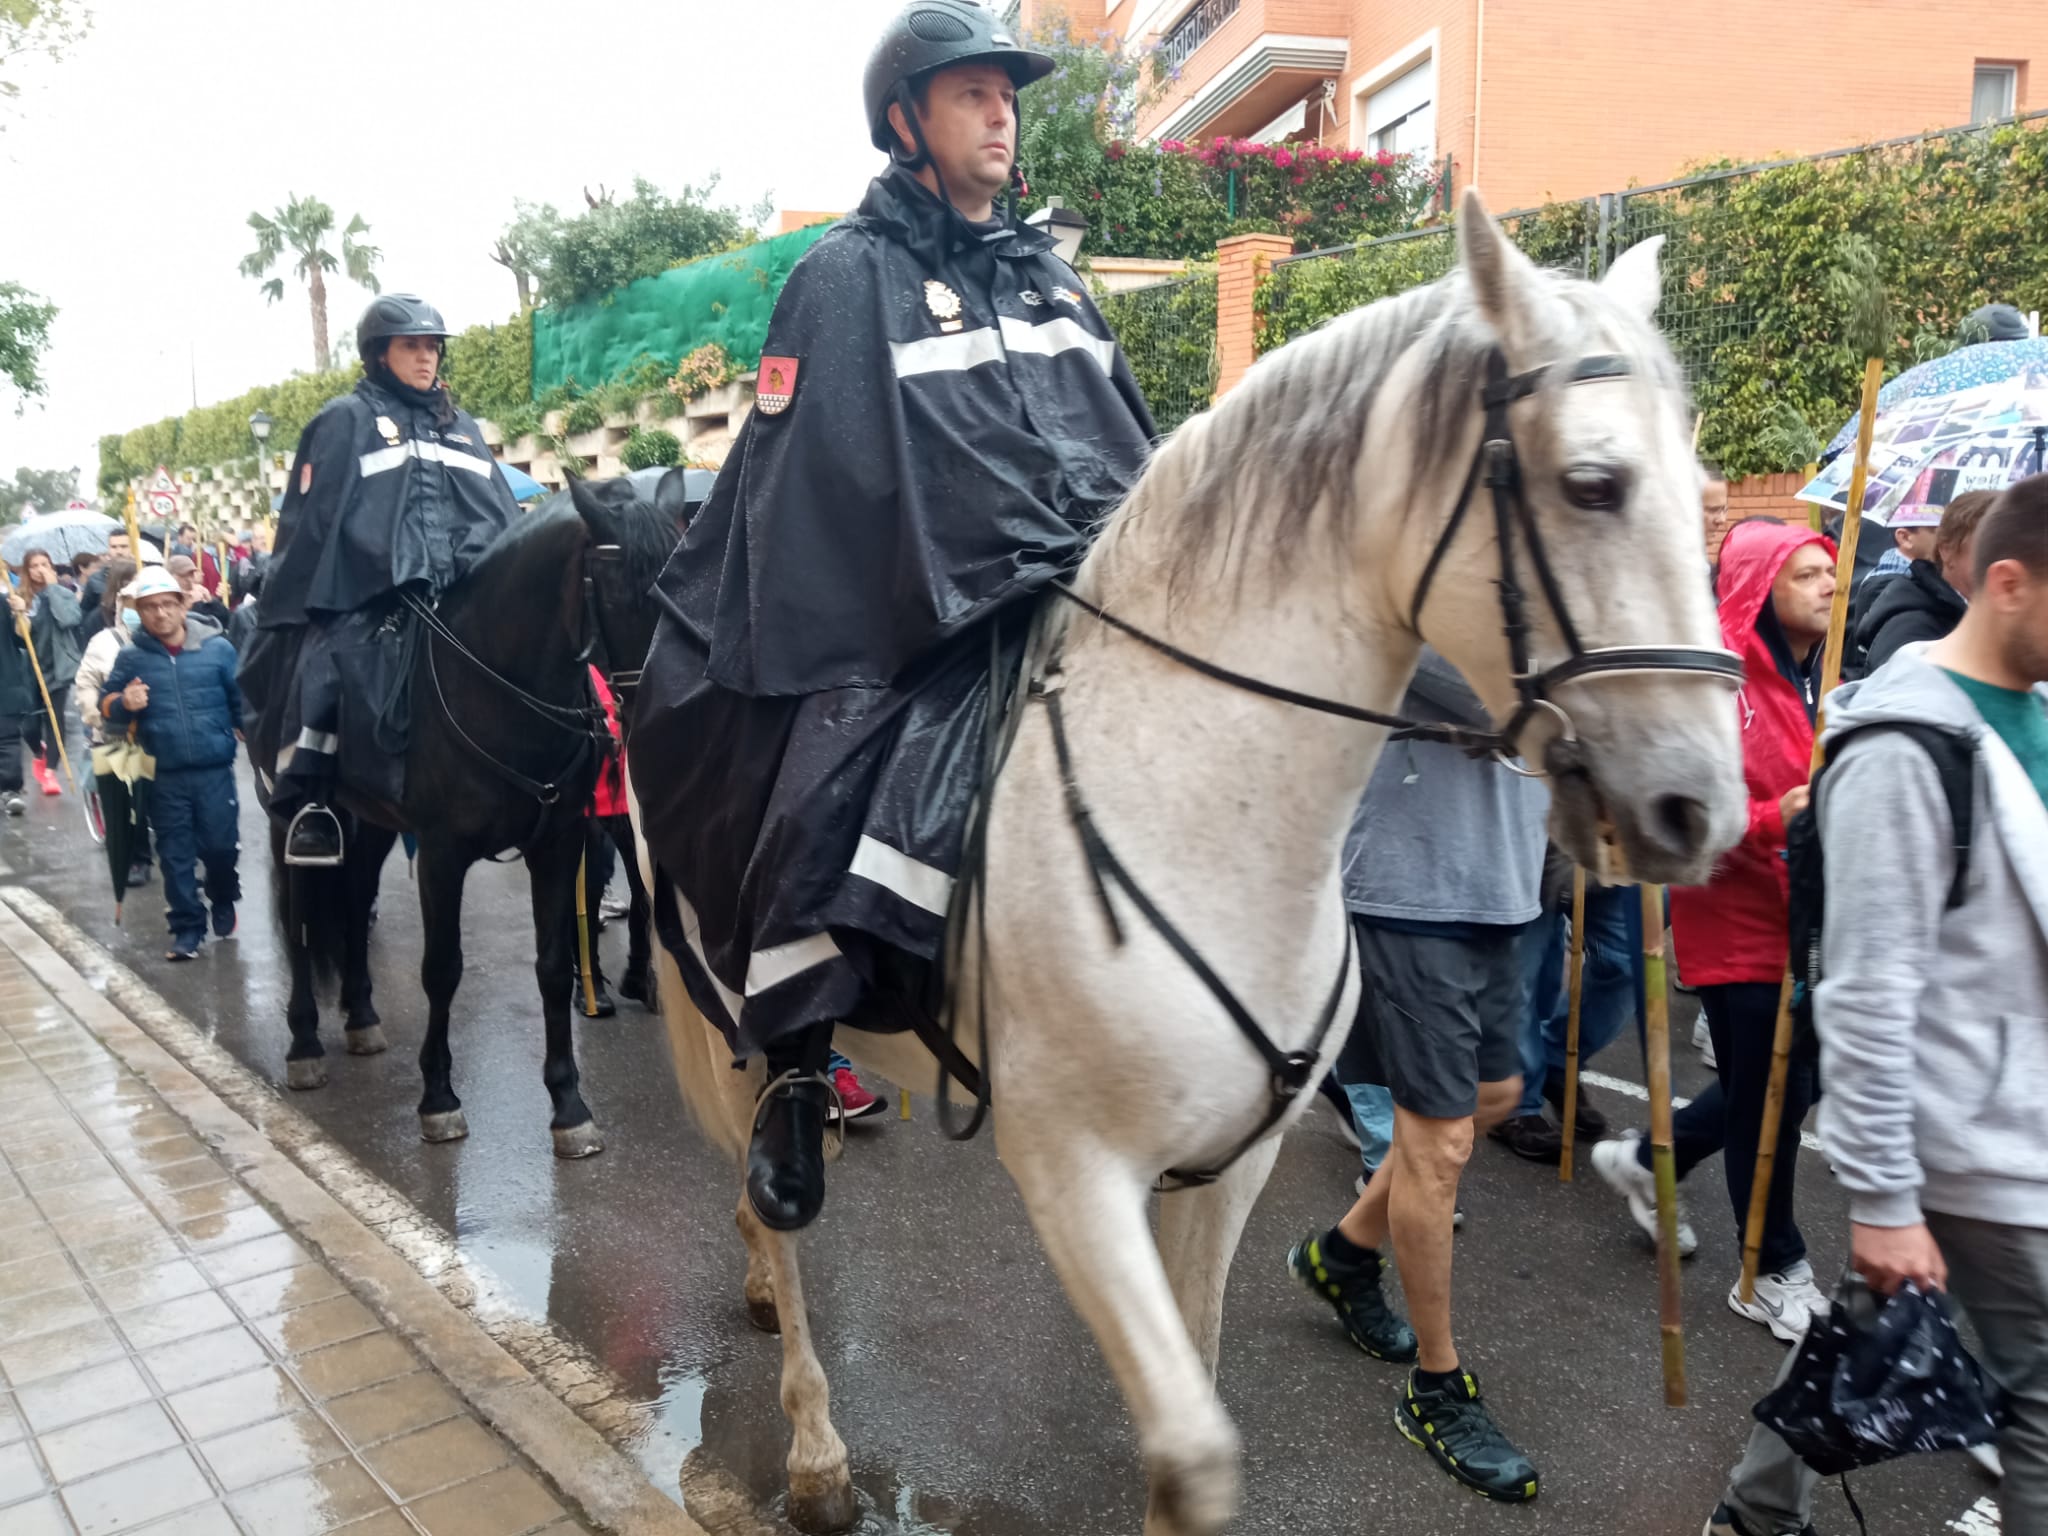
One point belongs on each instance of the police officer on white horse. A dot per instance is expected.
(943, 417)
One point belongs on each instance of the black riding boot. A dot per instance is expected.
(786, 1158)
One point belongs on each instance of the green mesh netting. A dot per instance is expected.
(726, 299)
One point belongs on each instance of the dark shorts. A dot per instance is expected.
(1440, 1015)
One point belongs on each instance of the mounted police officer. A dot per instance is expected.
(942, 419)
(393, 491)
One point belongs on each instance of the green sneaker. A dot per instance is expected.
(1355, 1292)
(1453, 1426)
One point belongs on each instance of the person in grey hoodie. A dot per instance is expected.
(1933, 1021)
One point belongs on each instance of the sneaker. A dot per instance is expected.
(1586, 1116)
(1530, 1136)
(182, 949)
(1703, 1042)
(1452, 1424)
(1725, 1522)
(16, 805)
(44, 778)
(612, 908)
(1615, 1162)
(1785, 1302)
(224, 920)
(854, 1098)
(1355, 1293)
(138, 874)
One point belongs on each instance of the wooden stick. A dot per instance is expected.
(1571, 1028)
(1663, 1163)
(1816, 518)
(49, 710)
(1830, 675)
(134, 532)
(583, 942)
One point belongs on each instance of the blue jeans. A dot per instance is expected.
(195, 813)
(1610, 986)
(1372, 1104)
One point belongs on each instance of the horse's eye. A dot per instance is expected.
(1593, 490)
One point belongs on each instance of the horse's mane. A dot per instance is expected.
(1286, 441)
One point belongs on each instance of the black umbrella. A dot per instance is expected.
(123, 779)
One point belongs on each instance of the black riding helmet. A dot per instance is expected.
(397, 314)
(931, 35)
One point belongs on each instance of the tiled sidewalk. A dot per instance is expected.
(172, 1361)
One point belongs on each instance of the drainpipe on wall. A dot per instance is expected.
(1478, 84)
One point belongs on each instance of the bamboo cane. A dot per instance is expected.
(134, 531)
(1830, 674)
(1663, 1163)
(1814, 516)
(1571, 1027)
(583, 972)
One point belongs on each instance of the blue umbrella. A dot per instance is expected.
(1989, 362)
(524, 486)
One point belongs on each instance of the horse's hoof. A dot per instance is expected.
(452, 1126)
(762, 1314)
(822, 1504)
(576, 1141)
(367, 1041)
(309, 1072)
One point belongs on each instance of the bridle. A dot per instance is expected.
(1291, 1072)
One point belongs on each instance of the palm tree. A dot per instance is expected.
(302, 226)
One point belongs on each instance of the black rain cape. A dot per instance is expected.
(953, 421)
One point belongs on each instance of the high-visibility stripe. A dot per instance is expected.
(776, 964)
(319, 741)
(693, 935)
(1049, 338)
(916, 882)
(946, 354)
(390, 458)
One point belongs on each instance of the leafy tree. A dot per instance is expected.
(603, 249)
(44, 489)
(302, 226)
(524, 246)
(489, 368)
(24, 335)
(29, 27)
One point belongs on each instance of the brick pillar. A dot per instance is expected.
(1240, 262)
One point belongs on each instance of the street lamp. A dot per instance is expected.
(259, 428)
(1064, 225)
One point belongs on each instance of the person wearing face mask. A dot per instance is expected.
(118, 625)
(393, 492)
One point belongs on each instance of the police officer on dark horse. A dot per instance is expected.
(942, 418)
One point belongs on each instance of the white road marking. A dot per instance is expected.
(1637, 1091)
(1980, 1519)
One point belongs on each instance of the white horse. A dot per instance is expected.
(1304, 533)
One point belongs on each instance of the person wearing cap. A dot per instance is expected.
(393, 491)
(176, 683)
(942, 419)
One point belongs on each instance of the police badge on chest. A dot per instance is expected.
(944, 304)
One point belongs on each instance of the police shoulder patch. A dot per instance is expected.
(775, 385)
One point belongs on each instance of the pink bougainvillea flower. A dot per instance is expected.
(1353, 156)
(1386, 157)
(1283, 159)
(1377, 177)
(1341, 207)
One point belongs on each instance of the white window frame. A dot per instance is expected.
(2011, 72)
(1426, 49)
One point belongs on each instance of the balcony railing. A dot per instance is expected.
(1194, 29)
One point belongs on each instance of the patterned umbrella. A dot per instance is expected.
(1990, 362)
(1926, 450)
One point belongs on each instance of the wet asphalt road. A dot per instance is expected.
(969, 1395)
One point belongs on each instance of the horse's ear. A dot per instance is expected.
(672, 496)
(1634, 280)
(1503, 280)
(591, 508)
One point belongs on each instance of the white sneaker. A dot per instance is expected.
(1615, 1162)
(1785, 1303)
(1703, 1042)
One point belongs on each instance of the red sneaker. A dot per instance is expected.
(45, 778)
(858, 1103)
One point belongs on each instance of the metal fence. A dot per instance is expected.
(1169, 334)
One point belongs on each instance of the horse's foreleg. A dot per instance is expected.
(1090, 1211)
(365, 1030)
(555, 866)
(1198, 1233)
(820, 1487)
(441, 875)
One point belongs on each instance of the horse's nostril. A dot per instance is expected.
(1680, 823)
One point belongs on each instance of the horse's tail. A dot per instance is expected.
(310, 905)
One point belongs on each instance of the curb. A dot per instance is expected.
(606, 1487)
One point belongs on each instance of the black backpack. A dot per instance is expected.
(1954, 754)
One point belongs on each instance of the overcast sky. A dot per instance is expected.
(127, 173)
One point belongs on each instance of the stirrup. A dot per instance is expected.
(310, 814)
(835, 1111)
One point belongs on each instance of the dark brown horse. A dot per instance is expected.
(503, 754)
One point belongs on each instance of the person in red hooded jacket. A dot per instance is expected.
(1776, 589)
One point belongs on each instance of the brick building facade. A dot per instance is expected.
(1539, 99)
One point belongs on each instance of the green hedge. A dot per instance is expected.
(1955, 221)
